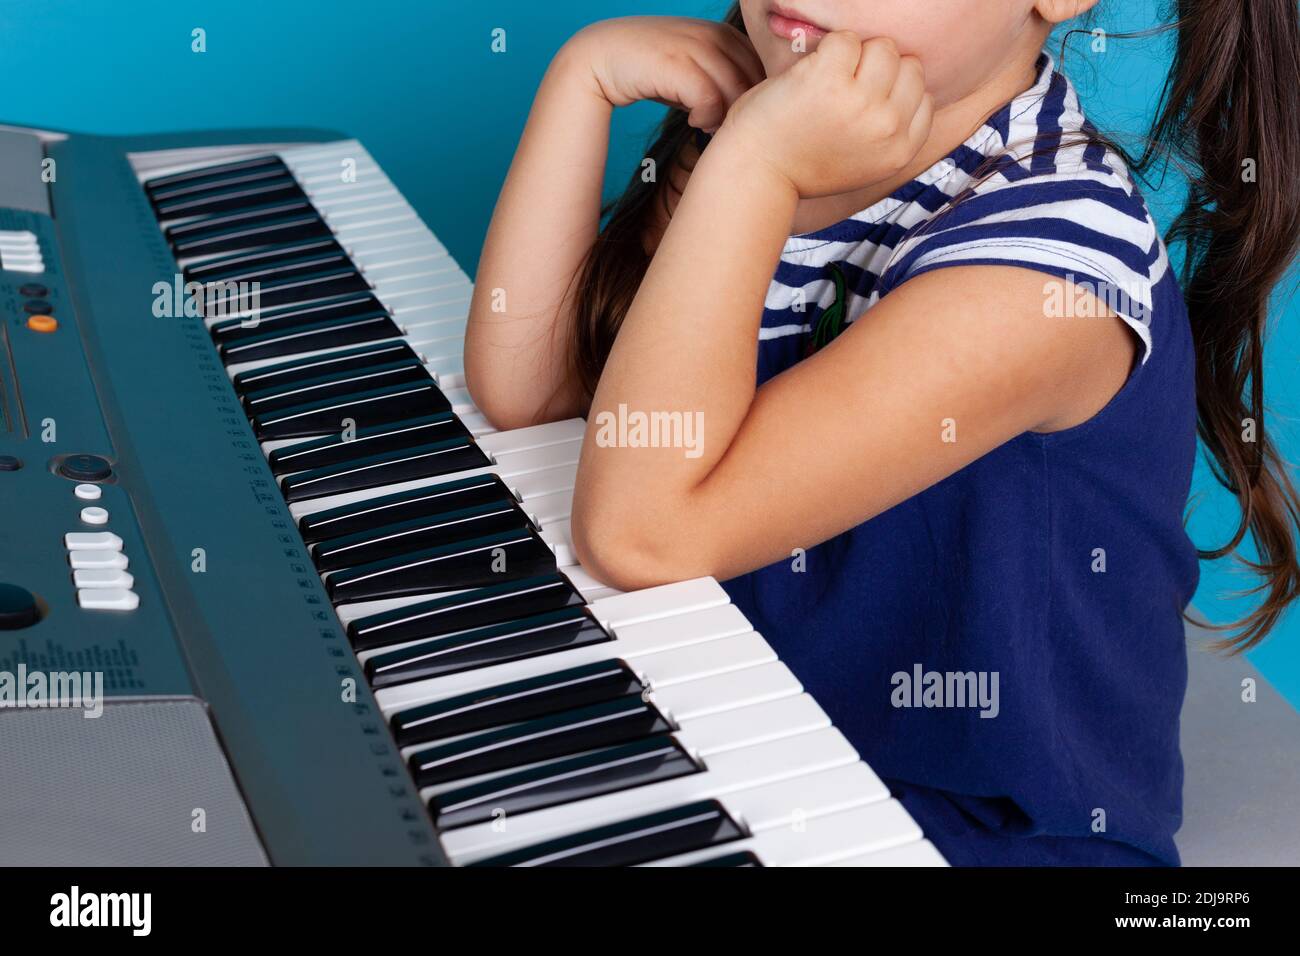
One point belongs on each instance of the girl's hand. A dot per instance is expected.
(698, 66)
(849, 114)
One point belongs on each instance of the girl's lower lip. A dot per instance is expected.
(788, 28)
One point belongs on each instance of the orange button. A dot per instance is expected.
(42, 323)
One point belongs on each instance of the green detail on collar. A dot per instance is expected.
(831, 322)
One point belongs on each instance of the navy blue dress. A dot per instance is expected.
(1006, 648)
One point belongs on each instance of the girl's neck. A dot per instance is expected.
(953, 125)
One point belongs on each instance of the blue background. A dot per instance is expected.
(418, 83)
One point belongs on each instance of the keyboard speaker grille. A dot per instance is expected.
(120, 789)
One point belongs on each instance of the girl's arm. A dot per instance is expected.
(861, 425)
(520, 324)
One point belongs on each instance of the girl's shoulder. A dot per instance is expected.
(1062, 202)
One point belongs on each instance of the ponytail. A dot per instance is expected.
(1230, 113)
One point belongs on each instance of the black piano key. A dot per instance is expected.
(315, 366)
(260, 257)
(516, 701)
(359, 409)
(386, 468)
(320, 336)
(253, 231)
(337, 449)
(606, 724)
(403, 506)
(241, 170)
(486, 646)
(286, 319)
(655, 836)
(222, 222)
(420, 534)
(474, 564)
(225, 197)
(744, 858)
(563, 781)
(241, 268)
(333, 384)
(247, 301)
(494, 604)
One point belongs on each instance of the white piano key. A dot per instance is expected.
(413, 257)
(919, 853)
(437, 349)
(647, 604)
(725, 773)
(691, 700)
(559, 538)
(452, 302)
(397, 242)
(671, 631)
(578, 576)
(347, 215)
(390, 219)
(477, 424)
(356, 237)
(736, 724)
(819, 840)
(789, 802)
(336, 199)
(534, 436)
(322, 181)
(547, 509)
(543, 481)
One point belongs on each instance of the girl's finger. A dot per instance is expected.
(700, 96)
(725, 72)
(878, 65)
(842, 50)
(742, 52)
(909, 87)
(919, 129)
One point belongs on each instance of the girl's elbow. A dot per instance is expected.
(623, 555)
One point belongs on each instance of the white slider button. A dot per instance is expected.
(102, 578)
(92, 541)
(94, 515)
(87, 492)
(97, 559)
(108, 599)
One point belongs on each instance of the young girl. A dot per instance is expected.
(949, 387)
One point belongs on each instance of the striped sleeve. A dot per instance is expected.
(1088, 228)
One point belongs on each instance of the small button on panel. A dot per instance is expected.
(85, 468)
(94, 515)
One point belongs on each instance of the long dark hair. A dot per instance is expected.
(1230, 116)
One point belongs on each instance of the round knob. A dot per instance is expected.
(10, 462)
(18, 608)
(85, 468)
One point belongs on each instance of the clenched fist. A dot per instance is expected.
(850, 114)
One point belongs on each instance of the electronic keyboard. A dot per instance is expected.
(244, 479)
